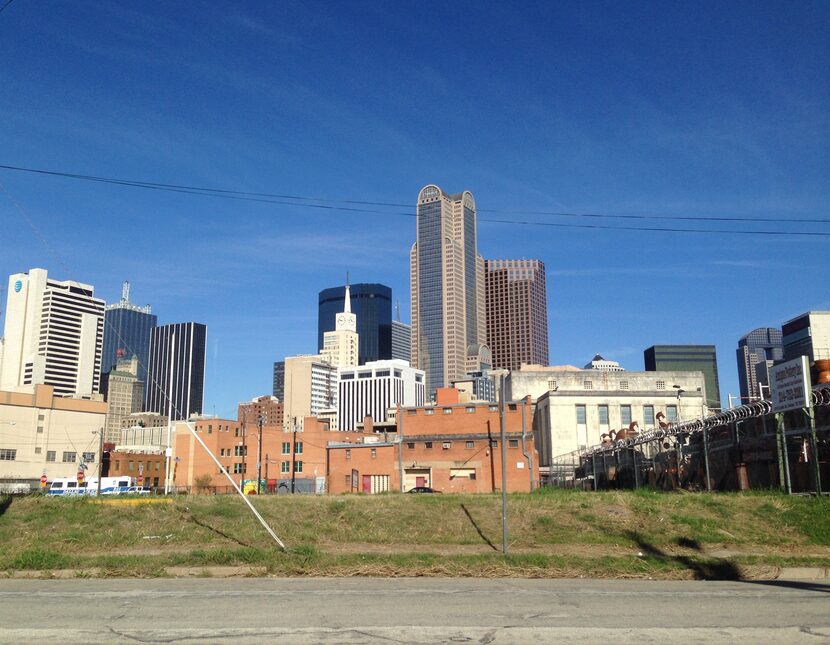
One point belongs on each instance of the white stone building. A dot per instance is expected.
(54, 335)
(574, 407)
(373, 388)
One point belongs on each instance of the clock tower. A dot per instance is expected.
(340, 346)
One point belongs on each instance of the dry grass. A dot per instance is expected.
(552, 533)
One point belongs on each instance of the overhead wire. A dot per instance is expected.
(359, 206)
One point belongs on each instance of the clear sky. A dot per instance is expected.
(680, 109)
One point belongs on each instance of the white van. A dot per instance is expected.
(109, 486)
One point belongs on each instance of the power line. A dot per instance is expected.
(3, 8)
(332, 205)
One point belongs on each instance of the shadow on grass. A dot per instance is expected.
(712, 570)
(478, 530)
(5, 502)
(220, 532)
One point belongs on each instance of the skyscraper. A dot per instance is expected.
(401, 341)
(127, 330)
(279, 380)
(517, 312)
(447, 286)
(176, 370)
(53, 335)
(340, 347)
(371, 303)
(125, 396)
(687, 358)
(756, 353)
(807, 335)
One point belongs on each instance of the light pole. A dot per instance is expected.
(705, 431)
(259, 458)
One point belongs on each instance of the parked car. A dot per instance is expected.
(423, 489)
(138, 490)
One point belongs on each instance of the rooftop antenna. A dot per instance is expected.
(125, 291)
(398, 310)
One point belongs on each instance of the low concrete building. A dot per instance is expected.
(41, 433)
(574, 408)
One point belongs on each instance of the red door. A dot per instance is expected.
(367, 483)
(420, 481)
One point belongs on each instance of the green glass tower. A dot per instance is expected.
(688, 358)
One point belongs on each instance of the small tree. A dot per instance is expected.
(203, 483)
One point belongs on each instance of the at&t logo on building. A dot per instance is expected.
(18, 285)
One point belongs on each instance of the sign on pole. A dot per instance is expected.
(790, 385)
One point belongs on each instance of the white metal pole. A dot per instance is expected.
(234, 484)
(168, 452)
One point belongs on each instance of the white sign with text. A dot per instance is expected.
(790, 385)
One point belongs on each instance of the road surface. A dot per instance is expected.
(414, 610)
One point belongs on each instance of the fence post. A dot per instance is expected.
(636, 473)
(594, 469)
(677, 455)
(706, 458)
(814, 450)
(783, 438)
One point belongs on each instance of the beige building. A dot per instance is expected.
(310, 389)
(340, 346)
(447, 286)
(517, 312)
(125, 395)
(44, 433)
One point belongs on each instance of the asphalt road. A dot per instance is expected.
(420, 610)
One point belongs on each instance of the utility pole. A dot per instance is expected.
(259, 459)
(244, 449)
(266, 472)
(100, 458)
(503, 440)
(168, 453)
(294, 455)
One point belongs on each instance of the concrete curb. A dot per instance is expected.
(796, 574)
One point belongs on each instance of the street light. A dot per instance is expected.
(705, 431)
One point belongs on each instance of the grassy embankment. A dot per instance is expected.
(553, 533)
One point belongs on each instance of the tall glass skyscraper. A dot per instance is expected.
(127, 330)
(372, 305)
(447, 286)
(184, 345)
(756, 353)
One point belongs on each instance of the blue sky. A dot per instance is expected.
(674, 109)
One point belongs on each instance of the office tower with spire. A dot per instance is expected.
(371, 303)
(127, 330)
(401, 337)
(176, 370)
(53, 335)
(517, 312)
(340, 347)
(446, 286)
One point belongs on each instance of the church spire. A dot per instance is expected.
(347, 308)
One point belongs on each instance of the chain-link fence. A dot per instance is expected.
(741, 449)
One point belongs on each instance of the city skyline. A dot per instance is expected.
(688, 114)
